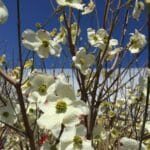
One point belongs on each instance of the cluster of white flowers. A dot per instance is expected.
(52, 102)
(60, 108)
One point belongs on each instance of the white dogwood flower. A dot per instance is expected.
(112, 53)
(8, 113)
(74, 138)
(75, 32)
(61, 36)
(138, 8)
(62, 83)
(89, 8)
(129, 144)
(3, 12)
(61, 111)
(41, 43)
(137, 42)
(39, 86)
(100, 39)
(70, 132)
(71, 3)
(83, 61)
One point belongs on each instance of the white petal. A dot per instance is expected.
(81, 130)
(129, 144)
(3, 13)
(49, 121)
(30, 40)
(71, 117)
(87, 145)
(81, 107)
(68, 134)
(43, 35)
(48, 107)
(55, 49)
(134, 50)
(90, 59)
(66, 92)
(70, 147)
(76, 5)
(113, 42)
(43, 52)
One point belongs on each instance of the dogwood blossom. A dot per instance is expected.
(71, 3)
(79, 144)
(83, 61)
(70, 132)
(100, 39)
(75, 31)
(130, 144)
(8, 113)
(62, 83)
(138, 8)
(61, 36)
(112, 53)
(39, 87)
(61, 111)
(137, 42)
(3, 12)
(89, 8)
(73, 137)
(41, 43)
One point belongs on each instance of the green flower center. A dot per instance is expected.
(28, 84)
(42, 89)
(106, 39)
(77, 141)
(31, 110)
(82, 61)
(135, 43)
(139, 5)
(61, 106)
(6, 114)
(69, 1)
(45, 44)
(95, 38)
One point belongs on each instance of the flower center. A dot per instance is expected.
(6, 114)
(69, 1)
(95, 38)
(77, 141)
(139, 5)
(61, 106)
(42, 89)
(82, 61)
(105, 39)
(45, 44)
(31, 110)
(135, 43)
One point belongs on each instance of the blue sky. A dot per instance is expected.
(33, 11)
